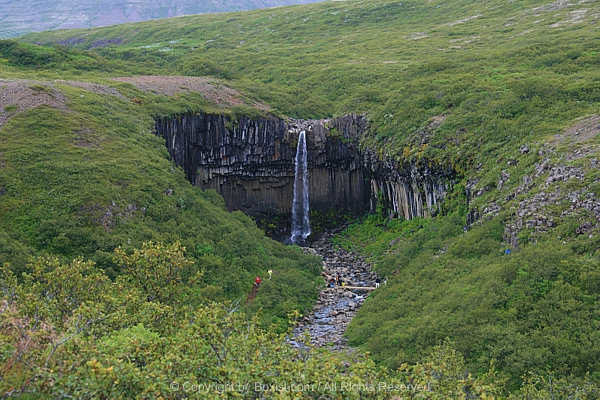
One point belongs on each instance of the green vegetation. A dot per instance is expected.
(506, 94)
(69, 331)
(532, 310)
(84, 182)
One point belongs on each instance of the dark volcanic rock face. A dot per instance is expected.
(250, 162)
(409, 191)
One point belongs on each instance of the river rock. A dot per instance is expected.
(336, 307)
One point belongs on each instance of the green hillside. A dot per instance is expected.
(83, 174)
(506, 94)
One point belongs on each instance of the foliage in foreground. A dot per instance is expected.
(69, 331)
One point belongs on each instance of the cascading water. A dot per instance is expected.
(300, 208)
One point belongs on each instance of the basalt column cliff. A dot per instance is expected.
(250, 162)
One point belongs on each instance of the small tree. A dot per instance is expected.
(158, 270)
(56, 291)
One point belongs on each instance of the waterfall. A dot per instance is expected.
(300, 219)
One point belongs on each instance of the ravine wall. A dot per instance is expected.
(250, 162)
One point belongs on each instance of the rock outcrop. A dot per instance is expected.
(408, 191)
(250, 162)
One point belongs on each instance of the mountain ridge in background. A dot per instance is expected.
(21, 17)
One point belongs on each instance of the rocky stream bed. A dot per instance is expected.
(336, 306)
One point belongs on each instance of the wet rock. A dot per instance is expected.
(336, 307)
(251, 161)
(472, 216)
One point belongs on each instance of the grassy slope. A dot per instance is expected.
(533, 310)
(505, 75)
(517, 73)
(91, 178)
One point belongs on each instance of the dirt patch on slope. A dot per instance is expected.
(585, 129)
(94, 87)
(22, 95)
(209, 88)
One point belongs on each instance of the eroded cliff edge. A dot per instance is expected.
(250, 162)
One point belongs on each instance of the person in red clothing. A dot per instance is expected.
(257, 281)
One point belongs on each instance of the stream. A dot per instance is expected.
(336, 307)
